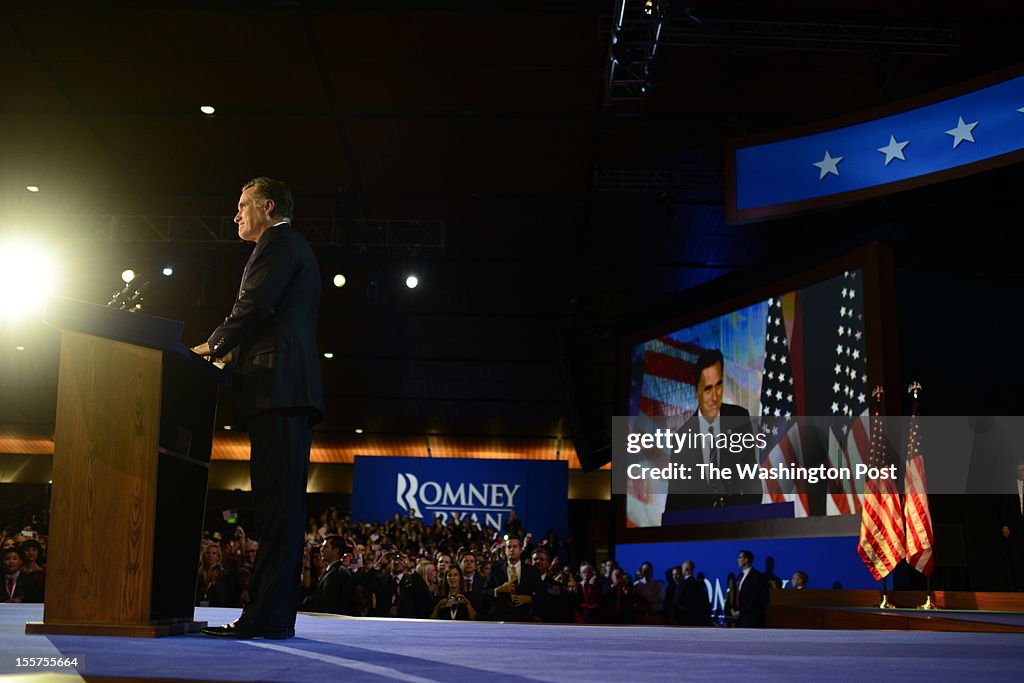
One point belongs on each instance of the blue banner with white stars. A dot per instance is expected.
(949, 134)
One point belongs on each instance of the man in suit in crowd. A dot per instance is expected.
(400, 591)
(271, 330)
(335, 591)
(798, 581)
(1011, 519)
(750, 599)
(18, 586)
(472, 582)
(691, 604)
(713, 420)
(512, 586)
(551, 604)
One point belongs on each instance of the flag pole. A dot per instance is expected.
(915, 390)
(878, 393)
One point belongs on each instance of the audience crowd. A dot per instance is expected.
(458, 571)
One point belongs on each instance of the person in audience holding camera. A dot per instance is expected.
(455, 605)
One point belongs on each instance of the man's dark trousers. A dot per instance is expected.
(278, 468)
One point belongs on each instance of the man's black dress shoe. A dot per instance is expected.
(243, 630)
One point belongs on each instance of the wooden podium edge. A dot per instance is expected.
(125, 630)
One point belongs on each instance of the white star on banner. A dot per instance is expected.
(835, 387)
(838, 368)
(856, 354)
(961, 132)
(894, 150)
(835, 407)
(829, 165)
(861, 398)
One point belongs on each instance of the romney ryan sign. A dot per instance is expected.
(446, 488)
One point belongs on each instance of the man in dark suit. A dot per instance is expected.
(18, 586)
(278, 398)
(1011, 519)
(512, 586)
(750, 599)
(401, 592)
(335, 591)
(690, 604)
(713, 420)
(472, 582)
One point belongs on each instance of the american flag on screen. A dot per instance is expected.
(668, 389)
(915, 502)
(848, 440)
(882, 539)
(778, 404)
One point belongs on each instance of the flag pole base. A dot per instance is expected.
(928, 604)
(885, 604)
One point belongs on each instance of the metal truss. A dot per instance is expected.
(692, 184)
(804, 36)
(638, 28)
(364, 234)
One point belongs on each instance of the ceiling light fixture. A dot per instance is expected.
(208, 110)
(32, 188)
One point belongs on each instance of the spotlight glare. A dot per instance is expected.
(19, 348)
(127, 275)
(359, 430)
(28, 274)
(328, 355)
(412, 282)
(32, 188)
(168, 271)
(227, 427)
(339, 280)
(207, 109)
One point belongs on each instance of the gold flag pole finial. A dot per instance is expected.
(928, 604)
(914, 389)
(885, 604)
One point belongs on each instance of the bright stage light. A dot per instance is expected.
(168, 271)
(127, 275)
(32, 188)
(207, 109)
(27, 275)
(339, 280)
(412, 282)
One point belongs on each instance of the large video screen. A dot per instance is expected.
(799, 353)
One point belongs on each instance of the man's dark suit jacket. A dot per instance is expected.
(334, 592)
(273, 327)
(501, 608)
(691, 606)
(26, 589)
(553, 603)
(476, 592)
(414, 599)
(753, 600)
(1010, 516)
(700, 493)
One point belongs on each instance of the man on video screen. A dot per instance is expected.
(713, 418)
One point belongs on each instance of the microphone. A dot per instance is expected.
(139, 292)
(121, 298)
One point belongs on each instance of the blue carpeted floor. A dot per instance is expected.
(331, 648)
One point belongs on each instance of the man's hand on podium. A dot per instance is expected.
(202, 350)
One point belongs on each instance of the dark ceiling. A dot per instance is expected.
(468, 141)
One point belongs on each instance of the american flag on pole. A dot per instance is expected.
(882, 541)
(848, 438)
(915, 504)
(778, 405)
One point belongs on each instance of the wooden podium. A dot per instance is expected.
(131, 458)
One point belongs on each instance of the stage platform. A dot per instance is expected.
(337, 648)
